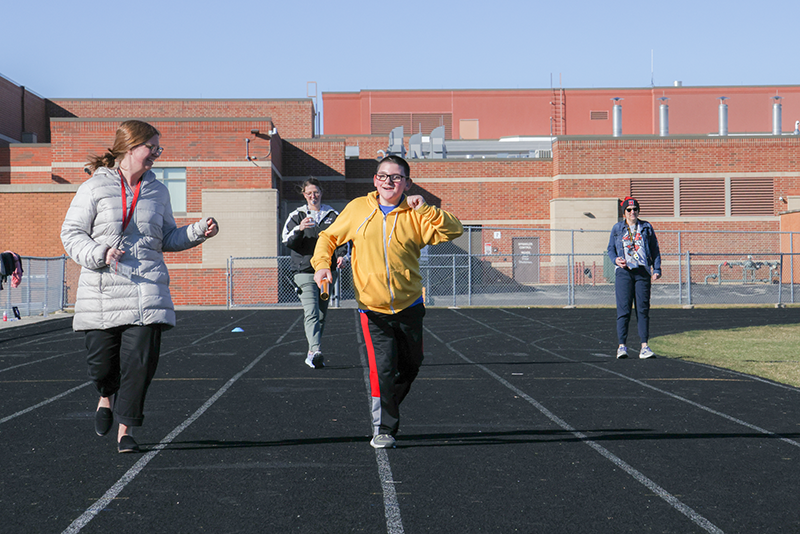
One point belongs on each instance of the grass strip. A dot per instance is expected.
(771, 352)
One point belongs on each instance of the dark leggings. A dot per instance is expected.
(122, 362)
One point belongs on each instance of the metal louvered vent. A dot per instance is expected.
(752, 196)
(656, 196)
(598, 115)
(383, 123)
(702, 197)
(424, 123)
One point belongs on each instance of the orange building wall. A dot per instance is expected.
(502, 113)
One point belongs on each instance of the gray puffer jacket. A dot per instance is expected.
(94, 224)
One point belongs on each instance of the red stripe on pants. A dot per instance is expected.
(375, 388)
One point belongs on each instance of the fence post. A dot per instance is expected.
(337, 290)
(680, 271)
(780, 280)
(63, 281)
(689, 277)
(571, 269)
(229, 284)
(28, 288)
(469, 266)
(791, 266)
(454, 281)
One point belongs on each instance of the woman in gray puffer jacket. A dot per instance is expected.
(117, 228)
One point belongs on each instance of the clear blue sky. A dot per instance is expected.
(269, 49)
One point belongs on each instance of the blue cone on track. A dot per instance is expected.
(237, 329)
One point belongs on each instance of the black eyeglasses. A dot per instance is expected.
(393, 178)
(154, 150)
(631, 209)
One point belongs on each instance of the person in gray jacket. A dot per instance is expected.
(117, 228)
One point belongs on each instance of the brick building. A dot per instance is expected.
(241, 160)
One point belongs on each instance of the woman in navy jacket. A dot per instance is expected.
(633, 248)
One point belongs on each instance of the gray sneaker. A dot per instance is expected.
(622, 352)
(315, 360)
(646, 352)
(383, 441)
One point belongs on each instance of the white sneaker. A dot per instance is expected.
(646, 352)
(315, 360)
(383, 441)
(622, 352)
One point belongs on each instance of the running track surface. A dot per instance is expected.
(521, 421)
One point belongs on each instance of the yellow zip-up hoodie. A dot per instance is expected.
(385, 250)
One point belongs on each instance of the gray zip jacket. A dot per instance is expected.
(94, 224)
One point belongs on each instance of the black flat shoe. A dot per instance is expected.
(127, 444)
(103, 419)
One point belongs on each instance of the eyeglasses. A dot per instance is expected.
(631, 209)
(393, 178)
(154, 150)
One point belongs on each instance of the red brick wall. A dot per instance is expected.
(313, 157)
(25, 155)
(676, 155)
(293, 118)
(491, 189)
(11, 117)
(31, 222)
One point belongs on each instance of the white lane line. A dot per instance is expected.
(115, 490)
(659, 390)
(637, 475)
(65, 393)
(394, 522)
(44, 402)
(41, 360)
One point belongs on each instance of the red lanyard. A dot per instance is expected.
(126, 217)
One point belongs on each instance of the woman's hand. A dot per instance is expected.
(655, 277)
(306, 223)
(620, 261)
(113, 255)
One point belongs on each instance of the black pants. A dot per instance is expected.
(630, 285)
(122, 362)
(394, 351)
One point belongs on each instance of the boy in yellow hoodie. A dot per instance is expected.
(387, 229)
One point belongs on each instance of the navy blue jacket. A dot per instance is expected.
(651, 251)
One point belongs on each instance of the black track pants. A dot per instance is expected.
(394, 352)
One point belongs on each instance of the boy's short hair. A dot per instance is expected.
(392, 158)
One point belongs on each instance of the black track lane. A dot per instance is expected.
(285, 448)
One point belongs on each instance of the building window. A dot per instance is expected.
(175, 180)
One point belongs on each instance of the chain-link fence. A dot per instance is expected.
(505, 266)
(41, 290)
